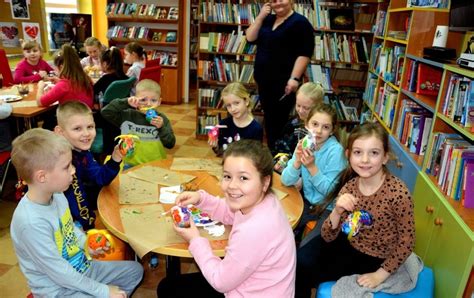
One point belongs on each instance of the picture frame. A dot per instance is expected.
(20, 9)
(341, 19)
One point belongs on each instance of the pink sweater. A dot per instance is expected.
(27, 73)
(63, 92)
(260, 258)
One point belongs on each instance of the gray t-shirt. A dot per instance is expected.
(49, 248)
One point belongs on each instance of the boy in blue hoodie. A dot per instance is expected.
(76, 124)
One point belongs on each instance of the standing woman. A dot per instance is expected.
(285, 43)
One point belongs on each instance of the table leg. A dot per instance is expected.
(173, 266)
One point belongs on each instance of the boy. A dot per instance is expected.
(49, 247)
(76, 124)
(129, 115)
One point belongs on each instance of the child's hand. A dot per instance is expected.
(345, 202)
(41, 85)
(157, 122)
(372, 280)
(264, 11)
(43, 74)
(99, 251)
(188, 197)
(115, 292)
(133, 101)
(213, 142)
(307, 158)
(117, 156)
(188, 234)
(298, 154)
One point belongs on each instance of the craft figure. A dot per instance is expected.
(213, 133)
(309, 142)
(99, 241)
(355, 221)
(127, 144)
(182, 215)
(150, 113)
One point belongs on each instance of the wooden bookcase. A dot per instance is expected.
(444, 228)
(152, 25)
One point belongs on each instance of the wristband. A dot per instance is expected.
(296, 79)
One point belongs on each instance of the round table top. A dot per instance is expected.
(109, 208)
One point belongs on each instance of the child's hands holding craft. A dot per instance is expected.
(188, 197)
(345, 202)
(157, 122)
(117, 155)
(189, 233)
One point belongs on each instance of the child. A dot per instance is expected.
(5, 133)
(377, 250)
(33, 68)
(49, 247)
(93, 50)
(241, 124)
(134, 55)
(260, 255)
(73, 84)
(76, 124)
(307, 96)
(318, 169)
(129, 115)
(112, 66)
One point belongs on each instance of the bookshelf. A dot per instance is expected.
(420, 103)
(159, 28)
(223, 56)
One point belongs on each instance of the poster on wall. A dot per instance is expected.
(9, 35)
(69, 28)
(20, 9)
(31, 31)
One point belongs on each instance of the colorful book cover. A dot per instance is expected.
(428, 80)
(468, 184)
(470, 107)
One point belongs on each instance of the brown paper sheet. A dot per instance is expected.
(212, 166)
(136, 191)
(161, 176)
(280, 194)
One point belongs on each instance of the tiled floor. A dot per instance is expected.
(12, 281)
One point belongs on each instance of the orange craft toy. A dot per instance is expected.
(99, 241)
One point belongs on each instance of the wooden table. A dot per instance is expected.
(108, 207)
(27, 114)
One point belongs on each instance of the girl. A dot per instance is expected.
(112, 66)
(376, 251)
(307, 96)
(134, 55)
(260, 255)
(240, 124)
(33, 68)
(93, 50)
(318, 169)
(73, 84)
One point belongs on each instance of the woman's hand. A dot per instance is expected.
(264, 11)
(188, 234)
(372, 280)
(188, 197)
(291, 86)
(157, 122)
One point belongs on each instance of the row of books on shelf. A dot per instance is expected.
(451, 163)
(227, 12)
(414, 127)
(379, 26)
(340, 48)
(428, 3)
(221, 70)
(142, 10)
(141, 32)
(206, 120)
(226, 42)
(211, 98)
(423, 78)
(344, 112)
(388, 62)
(385, 104)
(370, 89)
(166, 58)
(317, 73)
(458, 104)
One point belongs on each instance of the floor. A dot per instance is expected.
(12, 281)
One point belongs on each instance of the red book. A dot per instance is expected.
(428, 80)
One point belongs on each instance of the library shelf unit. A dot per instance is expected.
(412, 97)
(224, 56)
(159, 28)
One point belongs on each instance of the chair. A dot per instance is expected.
(5, 162)
(118, 89)
(424, 288)
(5, 71)
(153, 62)
(152, 73)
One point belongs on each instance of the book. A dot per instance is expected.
(171, 36)
(468, 184)
(428, 80)
(173, 13)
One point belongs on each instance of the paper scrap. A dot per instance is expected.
(136, 191)
(168, 194)
(161, 176)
